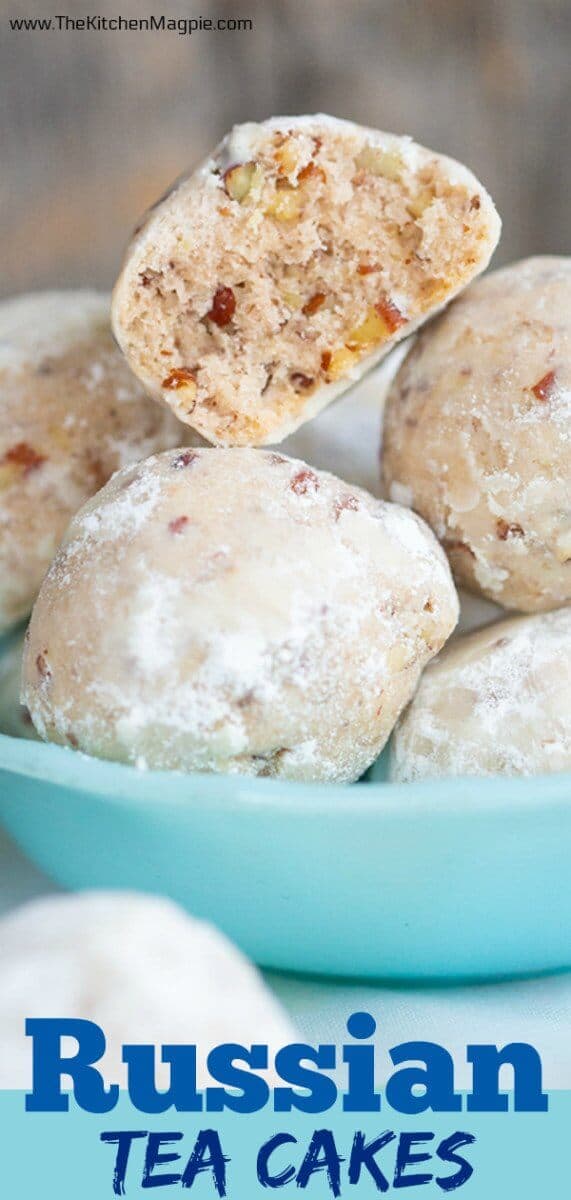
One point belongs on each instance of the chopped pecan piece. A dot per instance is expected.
(341, 361)
(23, 455)
(179, 377)
(287, 153)
(300, 380)
(185, 459)
(418, 205)
(178, 524)
(311, 171)
(505, 529)
(313, 304)
(346, 504)
(304, 482)
(377, 161)
(545, 388)
(241, 179)
(371, 332)
(286, 205)
(223, 307)
(390, 314)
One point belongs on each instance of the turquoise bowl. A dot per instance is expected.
(444, 879)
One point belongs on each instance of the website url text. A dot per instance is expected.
(183, 26)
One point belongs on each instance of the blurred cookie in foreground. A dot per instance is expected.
(271, 278)
(495, 702)
(71, 413)
(477, 434)
(237, 611)
(138, 966)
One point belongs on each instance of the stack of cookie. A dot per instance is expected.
(227, 607)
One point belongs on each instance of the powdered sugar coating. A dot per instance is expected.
(138, 966)
(235, 610)
(71, 413)
(497, 701)
(289, 263)
(478, 430)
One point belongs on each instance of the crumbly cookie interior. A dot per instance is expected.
(287, 262)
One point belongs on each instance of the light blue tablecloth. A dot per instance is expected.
(533, 1010)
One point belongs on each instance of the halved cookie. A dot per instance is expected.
(270, 279)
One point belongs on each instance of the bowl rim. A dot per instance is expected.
(129, 786)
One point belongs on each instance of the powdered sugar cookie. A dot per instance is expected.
(234, 610)
(71, 413)
(477, 434)
(138, 966)
(494, 702)
(270, 279)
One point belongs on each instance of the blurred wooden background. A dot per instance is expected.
(94, 126)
